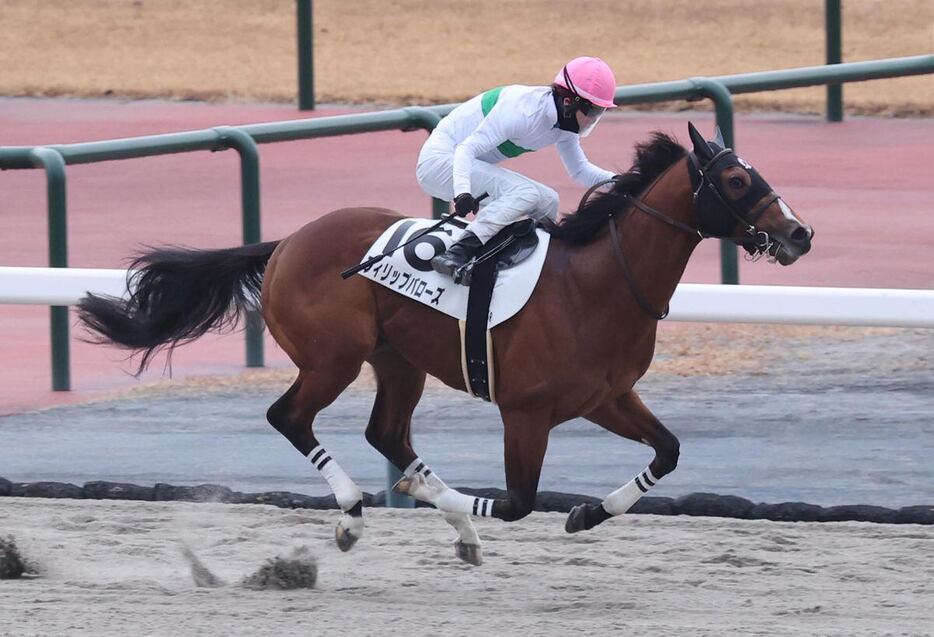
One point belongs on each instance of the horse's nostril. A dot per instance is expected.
(800, 235)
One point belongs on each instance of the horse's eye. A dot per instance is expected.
(736, 182)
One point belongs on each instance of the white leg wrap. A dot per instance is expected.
(449, 500)
(460, 521)
(417, 466)
(627, 495)
(454, 501)
(346, 492)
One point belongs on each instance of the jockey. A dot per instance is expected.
(458, 159)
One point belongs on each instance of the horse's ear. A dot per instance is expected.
(718, 138)
(701, 147)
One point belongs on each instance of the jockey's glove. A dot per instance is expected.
(464, 204)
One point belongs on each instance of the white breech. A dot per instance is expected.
(512, 196)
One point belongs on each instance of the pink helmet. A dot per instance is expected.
(591, 78)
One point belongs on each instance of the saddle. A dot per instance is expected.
(511, 262)
(509, 247)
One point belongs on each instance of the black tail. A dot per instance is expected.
(179, 294)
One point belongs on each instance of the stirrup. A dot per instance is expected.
(462, 274)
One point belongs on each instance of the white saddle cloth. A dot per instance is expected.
(408, 271)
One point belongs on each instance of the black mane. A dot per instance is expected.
(652, 158)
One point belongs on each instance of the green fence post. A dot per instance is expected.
(439, 208)
(723, 104)
(306, 68)
(54, 166)
(428, 120)
(834, 56)
(249, 197)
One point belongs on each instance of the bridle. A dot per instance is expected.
(757, 243)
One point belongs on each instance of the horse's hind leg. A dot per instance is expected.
(293, 415)
(627, 416)
(399, 388)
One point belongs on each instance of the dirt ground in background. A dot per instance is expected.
(408, 51)
(682, 349)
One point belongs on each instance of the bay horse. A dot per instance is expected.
(577, 348)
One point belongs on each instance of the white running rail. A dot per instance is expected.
(691, 302)
(57, 286)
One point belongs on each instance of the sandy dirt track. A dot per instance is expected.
(115, 568)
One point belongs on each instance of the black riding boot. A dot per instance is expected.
(457, 255)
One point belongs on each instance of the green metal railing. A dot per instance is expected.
(306, 67)
(833, 44)
(54, 159)
(244, 139)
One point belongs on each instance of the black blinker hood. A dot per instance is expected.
(711, 207)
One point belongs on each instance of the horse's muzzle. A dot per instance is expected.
(795, 246)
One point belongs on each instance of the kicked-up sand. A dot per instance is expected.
(111, 568)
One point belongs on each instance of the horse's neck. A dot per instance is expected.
(656, 252)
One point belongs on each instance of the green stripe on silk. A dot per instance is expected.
(489, 99)
(487, 102)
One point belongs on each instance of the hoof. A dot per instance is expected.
(345, 539)
(349, 528)
(470, 553)
(585, 516)
(577, 519)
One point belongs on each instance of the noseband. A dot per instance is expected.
(757, 242)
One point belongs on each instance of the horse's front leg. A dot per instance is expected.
(398, 389)
(525, 440)
(628, 416)
(468, 546)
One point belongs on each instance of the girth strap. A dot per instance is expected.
(477, 345)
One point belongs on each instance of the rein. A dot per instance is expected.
(760, 241)
(618, 251)
(617, 244)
